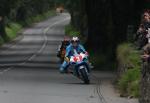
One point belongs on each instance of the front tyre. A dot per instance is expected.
(84, 75)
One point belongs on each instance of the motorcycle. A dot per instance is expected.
(79, 67)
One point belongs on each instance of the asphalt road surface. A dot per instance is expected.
(29, 70)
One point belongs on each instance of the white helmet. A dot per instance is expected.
(75, 39)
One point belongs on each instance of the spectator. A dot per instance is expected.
(143, 33)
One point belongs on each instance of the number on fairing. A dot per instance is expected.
(78, 59)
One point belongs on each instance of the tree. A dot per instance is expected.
(3, 11)
(20, 10)
(106, 21)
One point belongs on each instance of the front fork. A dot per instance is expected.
(78, 73)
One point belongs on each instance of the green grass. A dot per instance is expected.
(13, 27)
(12, 30)
(71, 31)
(129, 57)
(129, 83)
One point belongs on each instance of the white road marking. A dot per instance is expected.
(42, 48)
(6, 70)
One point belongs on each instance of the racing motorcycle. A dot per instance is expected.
(79, 66)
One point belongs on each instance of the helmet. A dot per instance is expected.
(66, 39)
(75, 39)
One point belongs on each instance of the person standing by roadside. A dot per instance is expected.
(143, 33)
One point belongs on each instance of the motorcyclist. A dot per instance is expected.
(74, 47)
(141, 38)
(62, 47)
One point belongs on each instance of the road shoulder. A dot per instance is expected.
(111, 94)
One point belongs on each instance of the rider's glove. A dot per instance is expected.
(86, 53)
(66, 59)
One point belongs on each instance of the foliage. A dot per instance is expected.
(129, 83)
(26, 7)
(13, 29)
(71, 31)
(21, 10)
(129, 58)
(127, 55)
(39, 17)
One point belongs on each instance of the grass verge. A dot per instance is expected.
(129, 58)
(13, 28)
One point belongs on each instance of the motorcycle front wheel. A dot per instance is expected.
(85, 76)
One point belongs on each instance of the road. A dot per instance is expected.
(29, 70)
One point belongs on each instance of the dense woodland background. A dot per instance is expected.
(104, 22)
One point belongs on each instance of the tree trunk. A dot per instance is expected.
(2, 29)
(108, 21)
(98, 19)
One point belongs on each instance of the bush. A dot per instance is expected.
(129, 83)
(129, 57)
(39, 17)
(134, 88)
(12, 30)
